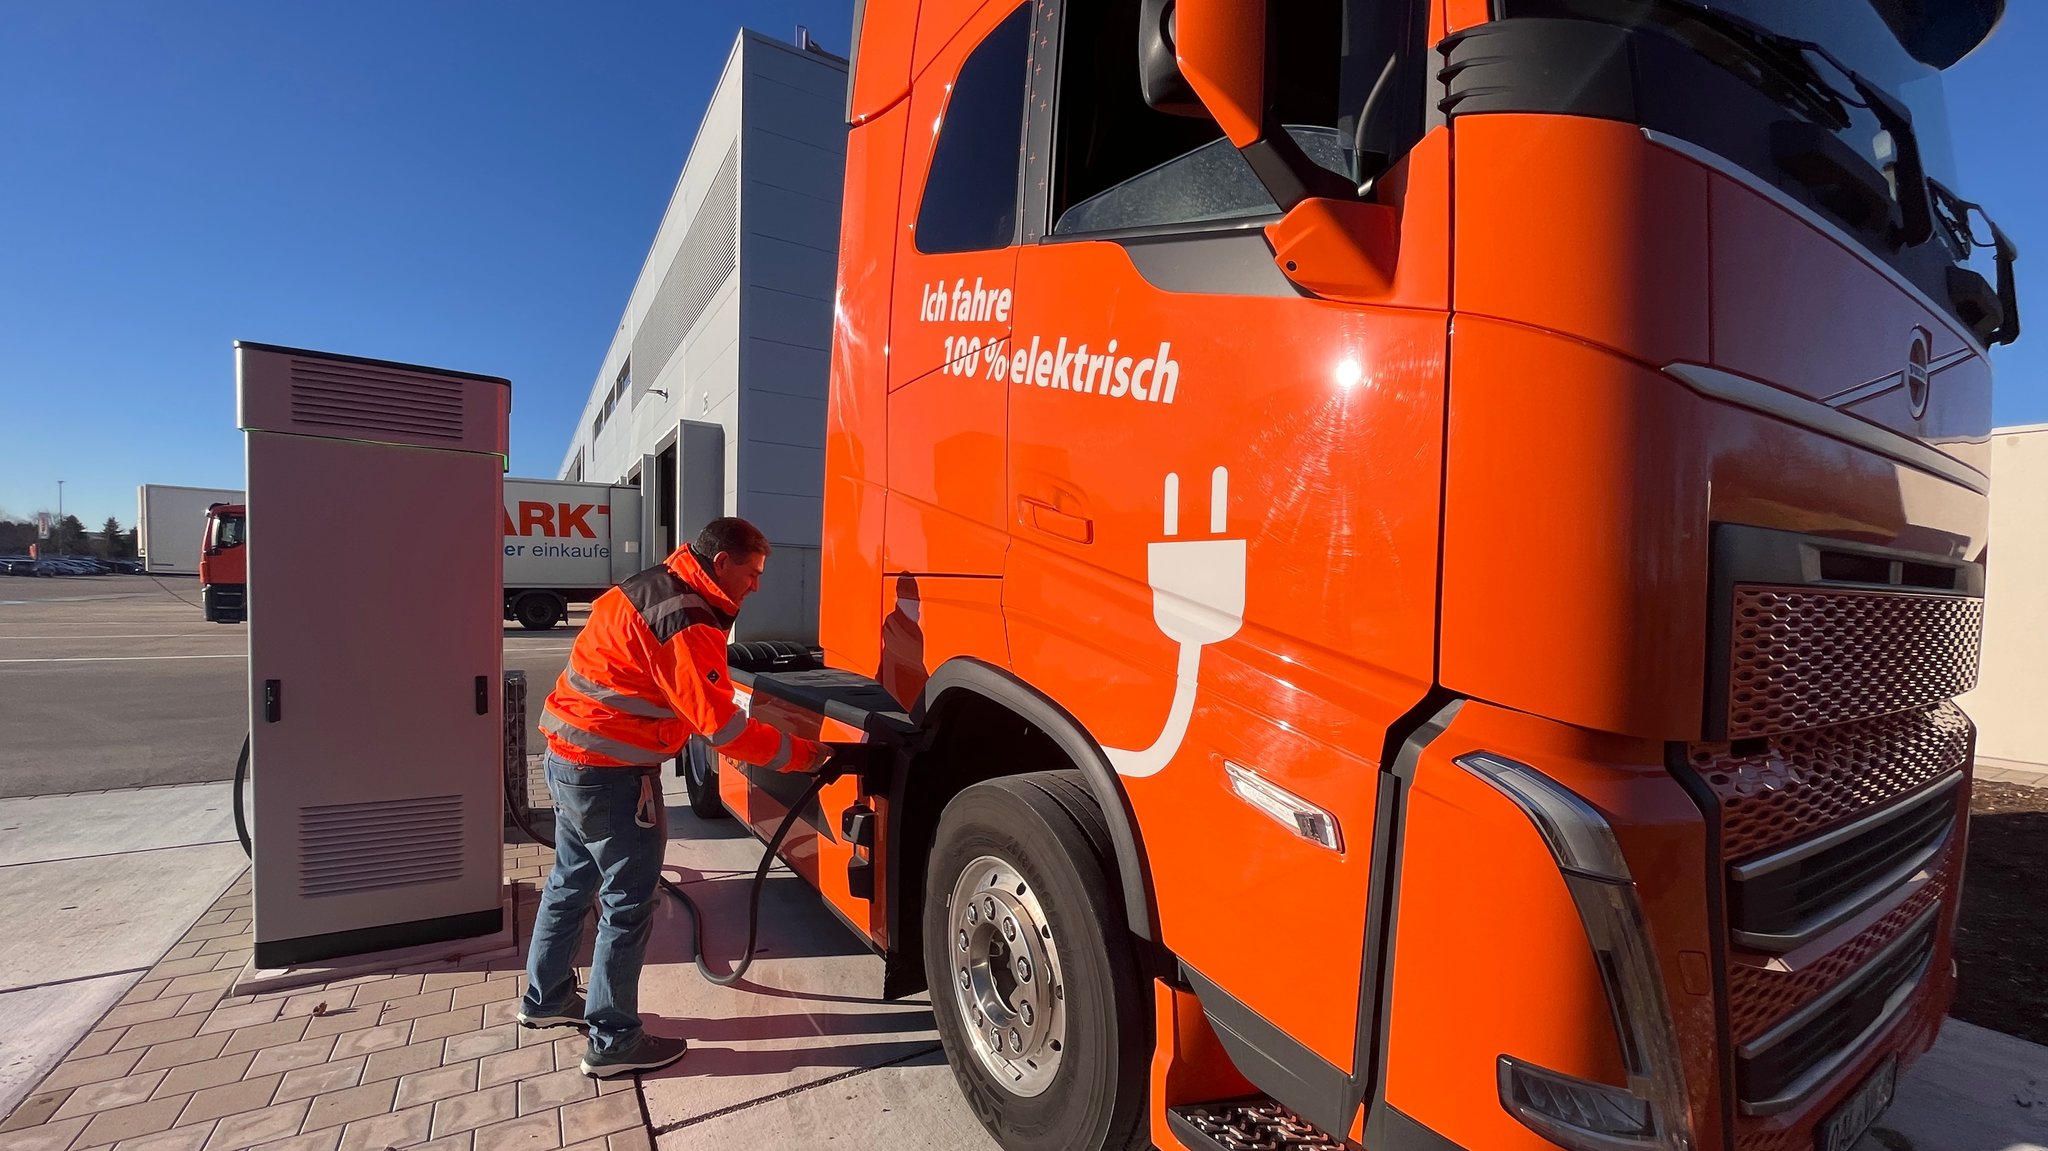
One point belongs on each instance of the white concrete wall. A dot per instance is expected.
(700, 375)
(793, 151)
(757, 360)
(2010, 704)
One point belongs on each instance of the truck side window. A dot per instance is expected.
(970, 194)
(1120, 164)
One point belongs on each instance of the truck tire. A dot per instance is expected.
(1023, 947)
(700, 779)
(539, 611)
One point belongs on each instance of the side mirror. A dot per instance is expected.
(1159, 76)
(1220, 46)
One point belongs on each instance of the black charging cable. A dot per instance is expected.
(845, 758)
(241, 817)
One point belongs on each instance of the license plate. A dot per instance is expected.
(1841, 1130)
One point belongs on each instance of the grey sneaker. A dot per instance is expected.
(571, 1015)
(652, 1052)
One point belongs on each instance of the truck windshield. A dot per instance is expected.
(227, 532)
(1865, 36)
(1830, 102)
(1865, 39)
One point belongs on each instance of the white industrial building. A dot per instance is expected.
(711, 397)
(2012, 721)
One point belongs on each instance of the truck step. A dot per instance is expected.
(1256, 1124)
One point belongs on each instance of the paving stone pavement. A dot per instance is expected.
(429, 1058)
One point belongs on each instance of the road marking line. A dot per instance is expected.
(163, 635)
(133, 851)
(118, 658)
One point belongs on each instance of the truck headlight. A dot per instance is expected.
(1651, 1112)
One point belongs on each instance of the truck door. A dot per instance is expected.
(954, 292)
(1224, 498)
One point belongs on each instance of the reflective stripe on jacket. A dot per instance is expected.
(649, 671)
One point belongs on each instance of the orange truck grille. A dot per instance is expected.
(1798, 784)
(1807, 658)
(1839, 795)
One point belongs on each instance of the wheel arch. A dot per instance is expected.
(962, 678)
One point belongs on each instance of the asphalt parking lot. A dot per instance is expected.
(117, 681)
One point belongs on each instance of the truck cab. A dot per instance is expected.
(1416, 558)
(223, 564)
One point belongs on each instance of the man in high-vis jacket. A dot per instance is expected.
(646, 674)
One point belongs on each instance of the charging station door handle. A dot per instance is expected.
(273, 700)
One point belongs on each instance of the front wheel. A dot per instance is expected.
(537, 612)
(700, 779)
(1034, 980)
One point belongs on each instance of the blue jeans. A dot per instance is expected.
(601, 852)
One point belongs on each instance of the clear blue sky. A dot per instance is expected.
(471, 185)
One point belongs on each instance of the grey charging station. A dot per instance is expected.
(375, 577)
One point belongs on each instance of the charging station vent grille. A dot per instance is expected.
(367, 398)
(345, 848)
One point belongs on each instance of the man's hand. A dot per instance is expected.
(809, 757)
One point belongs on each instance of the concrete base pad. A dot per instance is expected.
(1977, 1090)
(806, 1028)
(501, 944)
(43, 1023)
(912, 1104)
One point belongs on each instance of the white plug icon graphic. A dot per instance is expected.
(1197, 599)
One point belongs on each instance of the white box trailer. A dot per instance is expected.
(566, 543)
(169, 521)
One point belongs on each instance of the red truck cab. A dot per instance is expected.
(223, 564)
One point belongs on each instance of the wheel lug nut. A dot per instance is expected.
(1023, 969)
(1016, 1041)
(1009, 928)
(963, 979)
(963, 941)
(988, 907)
(973, 914)
(1024, 1011)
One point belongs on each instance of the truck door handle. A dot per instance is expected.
(483, 695)
(1054, 522)
(273, 700)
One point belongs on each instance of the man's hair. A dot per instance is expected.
(734, 536)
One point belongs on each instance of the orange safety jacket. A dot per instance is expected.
(649, 671)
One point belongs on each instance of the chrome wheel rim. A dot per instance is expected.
(1007, 978)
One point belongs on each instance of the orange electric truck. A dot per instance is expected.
(1412, 559)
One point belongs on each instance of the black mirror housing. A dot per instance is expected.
(1159, 75)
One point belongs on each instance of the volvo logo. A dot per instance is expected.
(1918, 381)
